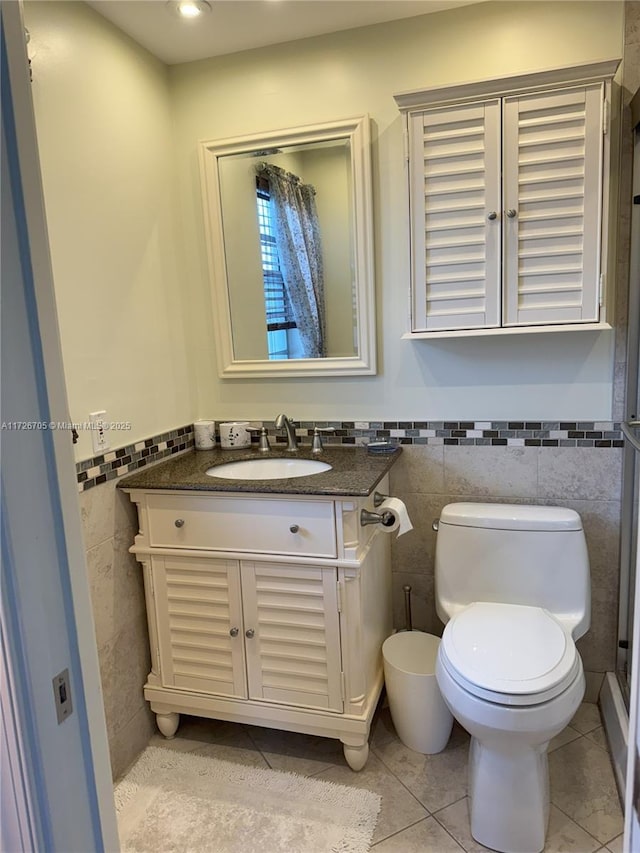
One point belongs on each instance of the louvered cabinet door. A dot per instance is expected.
(292, 634)
(200, 630)
(553, 153)
(455, 200)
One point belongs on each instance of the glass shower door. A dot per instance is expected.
(631, 461)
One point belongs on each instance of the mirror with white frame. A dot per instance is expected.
(288, 226)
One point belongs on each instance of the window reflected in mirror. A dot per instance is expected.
(282, 338)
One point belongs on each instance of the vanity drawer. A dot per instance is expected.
(268, 525)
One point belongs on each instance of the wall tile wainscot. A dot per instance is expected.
(574, 464)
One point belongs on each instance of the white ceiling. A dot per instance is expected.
(235, 25)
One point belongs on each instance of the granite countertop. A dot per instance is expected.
(354, 472)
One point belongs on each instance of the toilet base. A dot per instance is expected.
(508, 766)
(509, 793)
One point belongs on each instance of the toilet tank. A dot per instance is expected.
(514, 554)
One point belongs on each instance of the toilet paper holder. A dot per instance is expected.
(384, 518)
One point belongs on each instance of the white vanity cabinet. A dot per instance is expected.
(268, 610)
(508, 186)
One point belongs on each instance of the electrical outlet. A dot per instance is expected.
(98, 432)
(62, 695)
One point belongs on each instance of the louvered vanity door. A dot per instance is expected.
(552, 198)
(455, 174)
(200, 629)
(292, 634)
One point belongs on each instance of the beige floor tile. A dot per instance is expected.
(208, 731)
(297, 753)
(436, 780)
(382, 728)
(566, 736)
(178, 744)
(424, 837)
(563, 836)
(399, 809)
(585, 815)
(586, 719)
(237, 748)
(455, 819)
(615, 846)
(598, 736)
(583, 786)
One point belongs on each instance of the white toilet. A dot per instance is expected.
(512, 586)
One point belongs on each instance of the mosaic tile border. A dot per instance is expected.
(496, 433)
(125, 460)
(116, 463)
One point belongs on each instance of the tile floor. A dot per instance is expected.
(424, 803)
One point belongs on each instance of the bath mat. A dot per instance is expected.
(177, 802)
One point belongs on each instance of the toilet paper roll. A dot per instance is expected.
(400, 520)
(204, 433)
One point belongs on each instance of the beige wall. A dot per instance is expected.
(105, 130)
(355, 72)
(328, 170)
(129, 259)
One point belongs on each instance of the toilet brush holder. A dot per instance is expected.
(408, 625)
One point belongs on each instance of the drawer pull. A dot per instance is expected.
(294, 528)
(250, 633)
(179, 522)
(233, 632)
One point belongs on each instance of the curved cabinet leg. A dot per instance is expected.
(168, 723)
(356, 756)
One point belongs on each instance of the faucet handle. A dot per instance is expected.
(316, 446)
(263, 445)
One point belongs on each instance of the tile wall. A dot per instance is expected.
(110, 522)
(587, 480)
(575, 464)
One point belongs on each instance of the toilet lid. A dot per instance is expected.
(508, 649)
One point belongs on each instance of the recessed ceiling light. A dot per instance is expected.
(189, 8)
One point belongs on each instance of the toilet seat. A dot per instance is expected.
(509, 654)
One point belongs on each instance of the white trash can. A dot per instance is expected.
(421, 718)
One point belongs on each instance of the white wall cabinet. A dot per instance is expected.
(508, 189)
(281, 630)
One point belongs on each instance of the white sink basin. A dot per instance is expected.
(268, 469)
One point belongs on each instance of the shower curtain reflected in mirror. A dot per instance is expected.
(299, 248)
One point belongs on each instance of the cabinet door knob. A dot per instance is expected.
(493, 215)
(512, 213)
(233, 632)
(250, 633)
(294, 528)
(179, 522)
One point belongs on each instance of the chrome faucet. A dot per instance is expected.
(283, 422)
